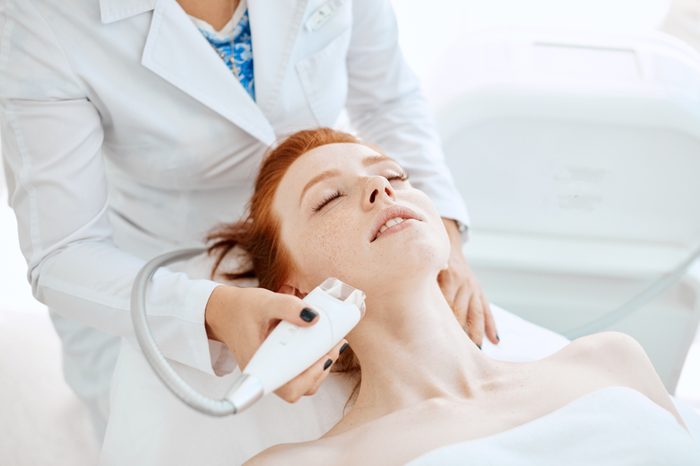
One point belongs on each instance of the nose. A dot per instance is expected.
(377, 187)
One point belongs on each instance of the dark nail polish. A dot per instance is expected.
(327, 364)
(307, 315)
(478, 346)
(498, 339)
(343, 348)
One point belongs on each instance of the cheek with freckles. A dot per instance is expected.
(329, 250)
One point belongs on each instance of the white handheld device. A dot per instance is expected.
(289, 350)
(285, 353)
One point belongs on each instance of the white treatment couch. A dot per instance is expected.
(579, 155)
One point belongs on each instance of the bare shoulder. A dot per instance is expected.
(308, 453)
(603, 348)
(619, 359)
(616, 355)
(272, 455)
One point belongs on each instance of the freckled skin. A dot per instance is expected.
(334, 241)
(424, 383)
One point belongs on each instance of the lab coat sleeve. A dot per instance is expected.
(386, 106)
(51, 145)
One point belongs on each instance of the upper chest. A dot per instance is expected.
(538, 390)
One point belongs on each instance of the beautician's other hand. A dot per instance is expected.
(242, 318)
(464, 294)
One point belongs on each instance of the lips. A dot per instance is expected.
(389, 213)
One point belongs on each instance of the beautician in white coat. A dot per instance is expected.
(129, 129)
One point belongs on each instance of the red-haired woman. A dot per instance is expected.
(420, 385)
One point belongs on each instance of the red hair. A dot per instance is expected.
(258, 234)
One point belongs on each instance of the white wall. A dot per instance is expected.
(425, 26)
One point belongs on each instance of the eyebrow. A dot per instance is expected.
(367, 161)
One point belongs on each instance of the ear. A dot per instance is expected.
(289, 289)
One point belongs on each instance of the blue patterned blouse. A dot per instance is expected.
(236, 50)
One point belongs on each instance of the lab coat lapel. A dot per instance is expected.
(115, 10)
(274, 25)
(176, 51)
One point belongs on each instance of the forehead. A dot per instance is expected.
(332, 155)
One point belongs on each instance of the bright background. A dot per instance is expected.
(29, 349)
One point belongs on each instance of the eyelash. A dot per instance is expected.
(322, 204)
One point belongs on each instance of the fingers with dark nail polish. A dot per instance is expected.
(343, 348)
(307, 314)
(327, 364)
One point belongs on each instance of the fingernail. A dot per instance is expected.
(479, 346)
(327, 364)
(498, 339)
(343, 348)
(307, 315)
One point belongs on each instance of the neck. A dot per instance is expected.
(215, 12)
(412, 348)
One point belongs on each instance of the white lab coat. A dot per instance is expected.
(125, 135)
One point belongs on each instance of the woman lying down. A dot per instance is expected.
(426, 394)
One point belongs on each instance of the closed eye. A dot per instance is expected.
(327, 201)
(401, 177)
(337, 194)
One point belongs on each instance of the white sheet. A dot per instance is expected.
(614, 426)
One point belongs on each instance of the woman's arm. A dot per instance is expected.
(52, 144)
(642, 373)
(623, 358)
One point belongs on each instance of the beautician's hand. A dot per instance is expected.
(464, 294)
(242, 318)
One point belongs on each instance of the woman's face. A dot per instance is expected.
(330, 203)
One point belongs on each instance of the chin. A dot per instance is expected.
(409, 259)
(426, 243)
